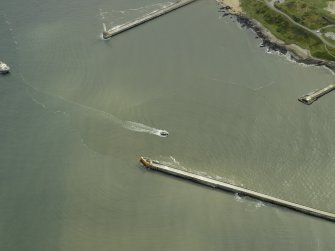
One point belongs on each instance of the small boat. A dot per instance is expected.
(164, 133)
(4, 68)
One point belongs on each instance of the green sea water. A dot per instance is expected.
(76, 112)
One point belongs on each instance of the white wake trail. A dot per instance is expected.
(129, 125)
(138, 127)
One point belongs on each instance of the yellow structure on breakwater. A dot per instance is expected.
(156, 165)
(152, 15)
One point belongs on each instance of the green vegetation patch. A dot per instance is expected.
(285, 30)
(328, 29)
(310, 13)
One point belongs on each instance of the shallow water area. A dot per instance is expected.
(78, 111)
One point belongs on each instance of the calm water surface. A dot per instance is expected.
(76, 113)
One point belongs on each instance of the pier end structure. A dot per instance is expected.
(156, 165)
(138, 21)
(106, 34)
(311, 97)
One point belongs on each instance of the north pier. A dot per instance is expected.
(152, 15)
(156, 165)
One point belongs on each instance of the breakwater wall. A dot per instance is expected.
(155, 165)
(152, 15)
(315, 95)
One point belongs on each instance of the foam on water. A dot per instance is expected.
(255, 89)
(259, 204)
(238, 198)
(174, 160)
(115, 16)
(289, 58)
(171, 162)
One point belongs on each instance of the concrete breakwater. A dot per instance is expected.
(152, 15)
(156, 165)
(315, 95)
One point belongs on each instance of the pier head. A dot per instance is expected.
(106, 34)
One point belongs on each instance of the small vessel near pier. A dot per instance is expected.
(164, 133)
(316, 94)
(157, 166)
(4, 68)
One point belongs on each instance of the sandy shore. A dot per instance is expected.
(331, 7)
(233, 4)
(300, 52)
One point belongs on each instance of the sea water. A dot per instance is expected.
(78, 111)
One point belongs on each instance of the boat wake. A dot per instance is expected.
(129, 125)
(255, 89)
(10, 28)
(138, 127)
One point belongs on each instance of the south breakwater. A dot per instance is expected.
(156, 165)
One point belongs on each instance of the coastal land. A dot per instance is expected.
(304, 28)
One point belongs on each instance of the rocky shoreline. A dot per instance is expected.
(273, 44)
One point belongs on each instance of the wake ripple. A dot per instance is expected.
(10, 28)
(129, 125)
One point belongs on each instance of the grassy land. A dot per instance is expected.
(328, 29)
(286, 31)
(310, 13)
